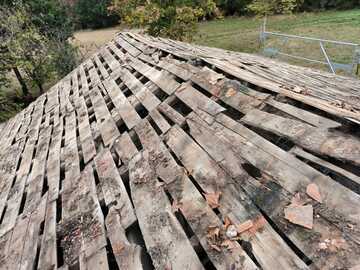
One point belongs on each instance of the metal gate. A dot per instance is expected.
(351, 68)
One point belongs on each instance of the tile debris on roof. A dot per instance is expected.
(160, 154)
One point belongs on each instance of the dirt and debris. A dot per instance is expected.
(215, 237)
(343, 105)
(71, 237)
(227, 235)
(333, 245)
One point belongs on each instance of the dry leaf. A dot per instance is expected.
(213, 232)
(244, 226)
(301, 215)
(213, 199)
(313, 191)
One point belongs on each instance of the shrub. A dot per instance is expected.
(267, 7)
(65, 57)
(9, 106)
(176, 20)
(233, 7)
(311, 5)
(35, 58)
(94, 14)
(51, 17)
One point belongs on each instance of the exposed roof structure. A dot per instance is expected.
(160, 154)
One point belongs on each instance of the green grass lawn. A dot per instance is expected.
(242, 33)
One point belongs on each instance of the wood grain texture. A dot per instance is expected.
(158, 154)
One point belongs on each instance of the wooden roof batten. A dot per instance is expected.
(158, 154)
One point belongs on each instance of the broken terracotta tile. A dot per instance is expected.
(227, 222)
(300, 215)
(258, 224)
(313, 191)
(244, 226)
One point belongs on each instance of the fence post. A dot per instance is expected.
(357, 60)
(327, 57)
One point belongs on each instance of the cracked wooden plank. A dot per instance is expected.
(291, 173)
(126, 111)
(32, 237)
(308, 117)
(142, 93)
(190, 202)
(107, 126)
(325, 142)
(113, 187)
(48, 252)
(165, 240)
(354, 178)
(196, 100)
(127, 255)
(8, 163)
(267, 246)
(273, 199)
(86, 138)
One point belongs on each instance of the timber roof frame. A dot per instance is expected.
(152, 152)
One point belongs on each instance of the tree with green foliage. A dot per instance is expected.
(172, 19)
(36, 54)
(23, 49)
(269, 7)
(8, 107)
(94, 14)
(51, 17)
(34, 49)
(311, 5)
(233, 7)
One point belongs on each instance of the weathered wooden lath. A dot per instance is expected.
(160, 154)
